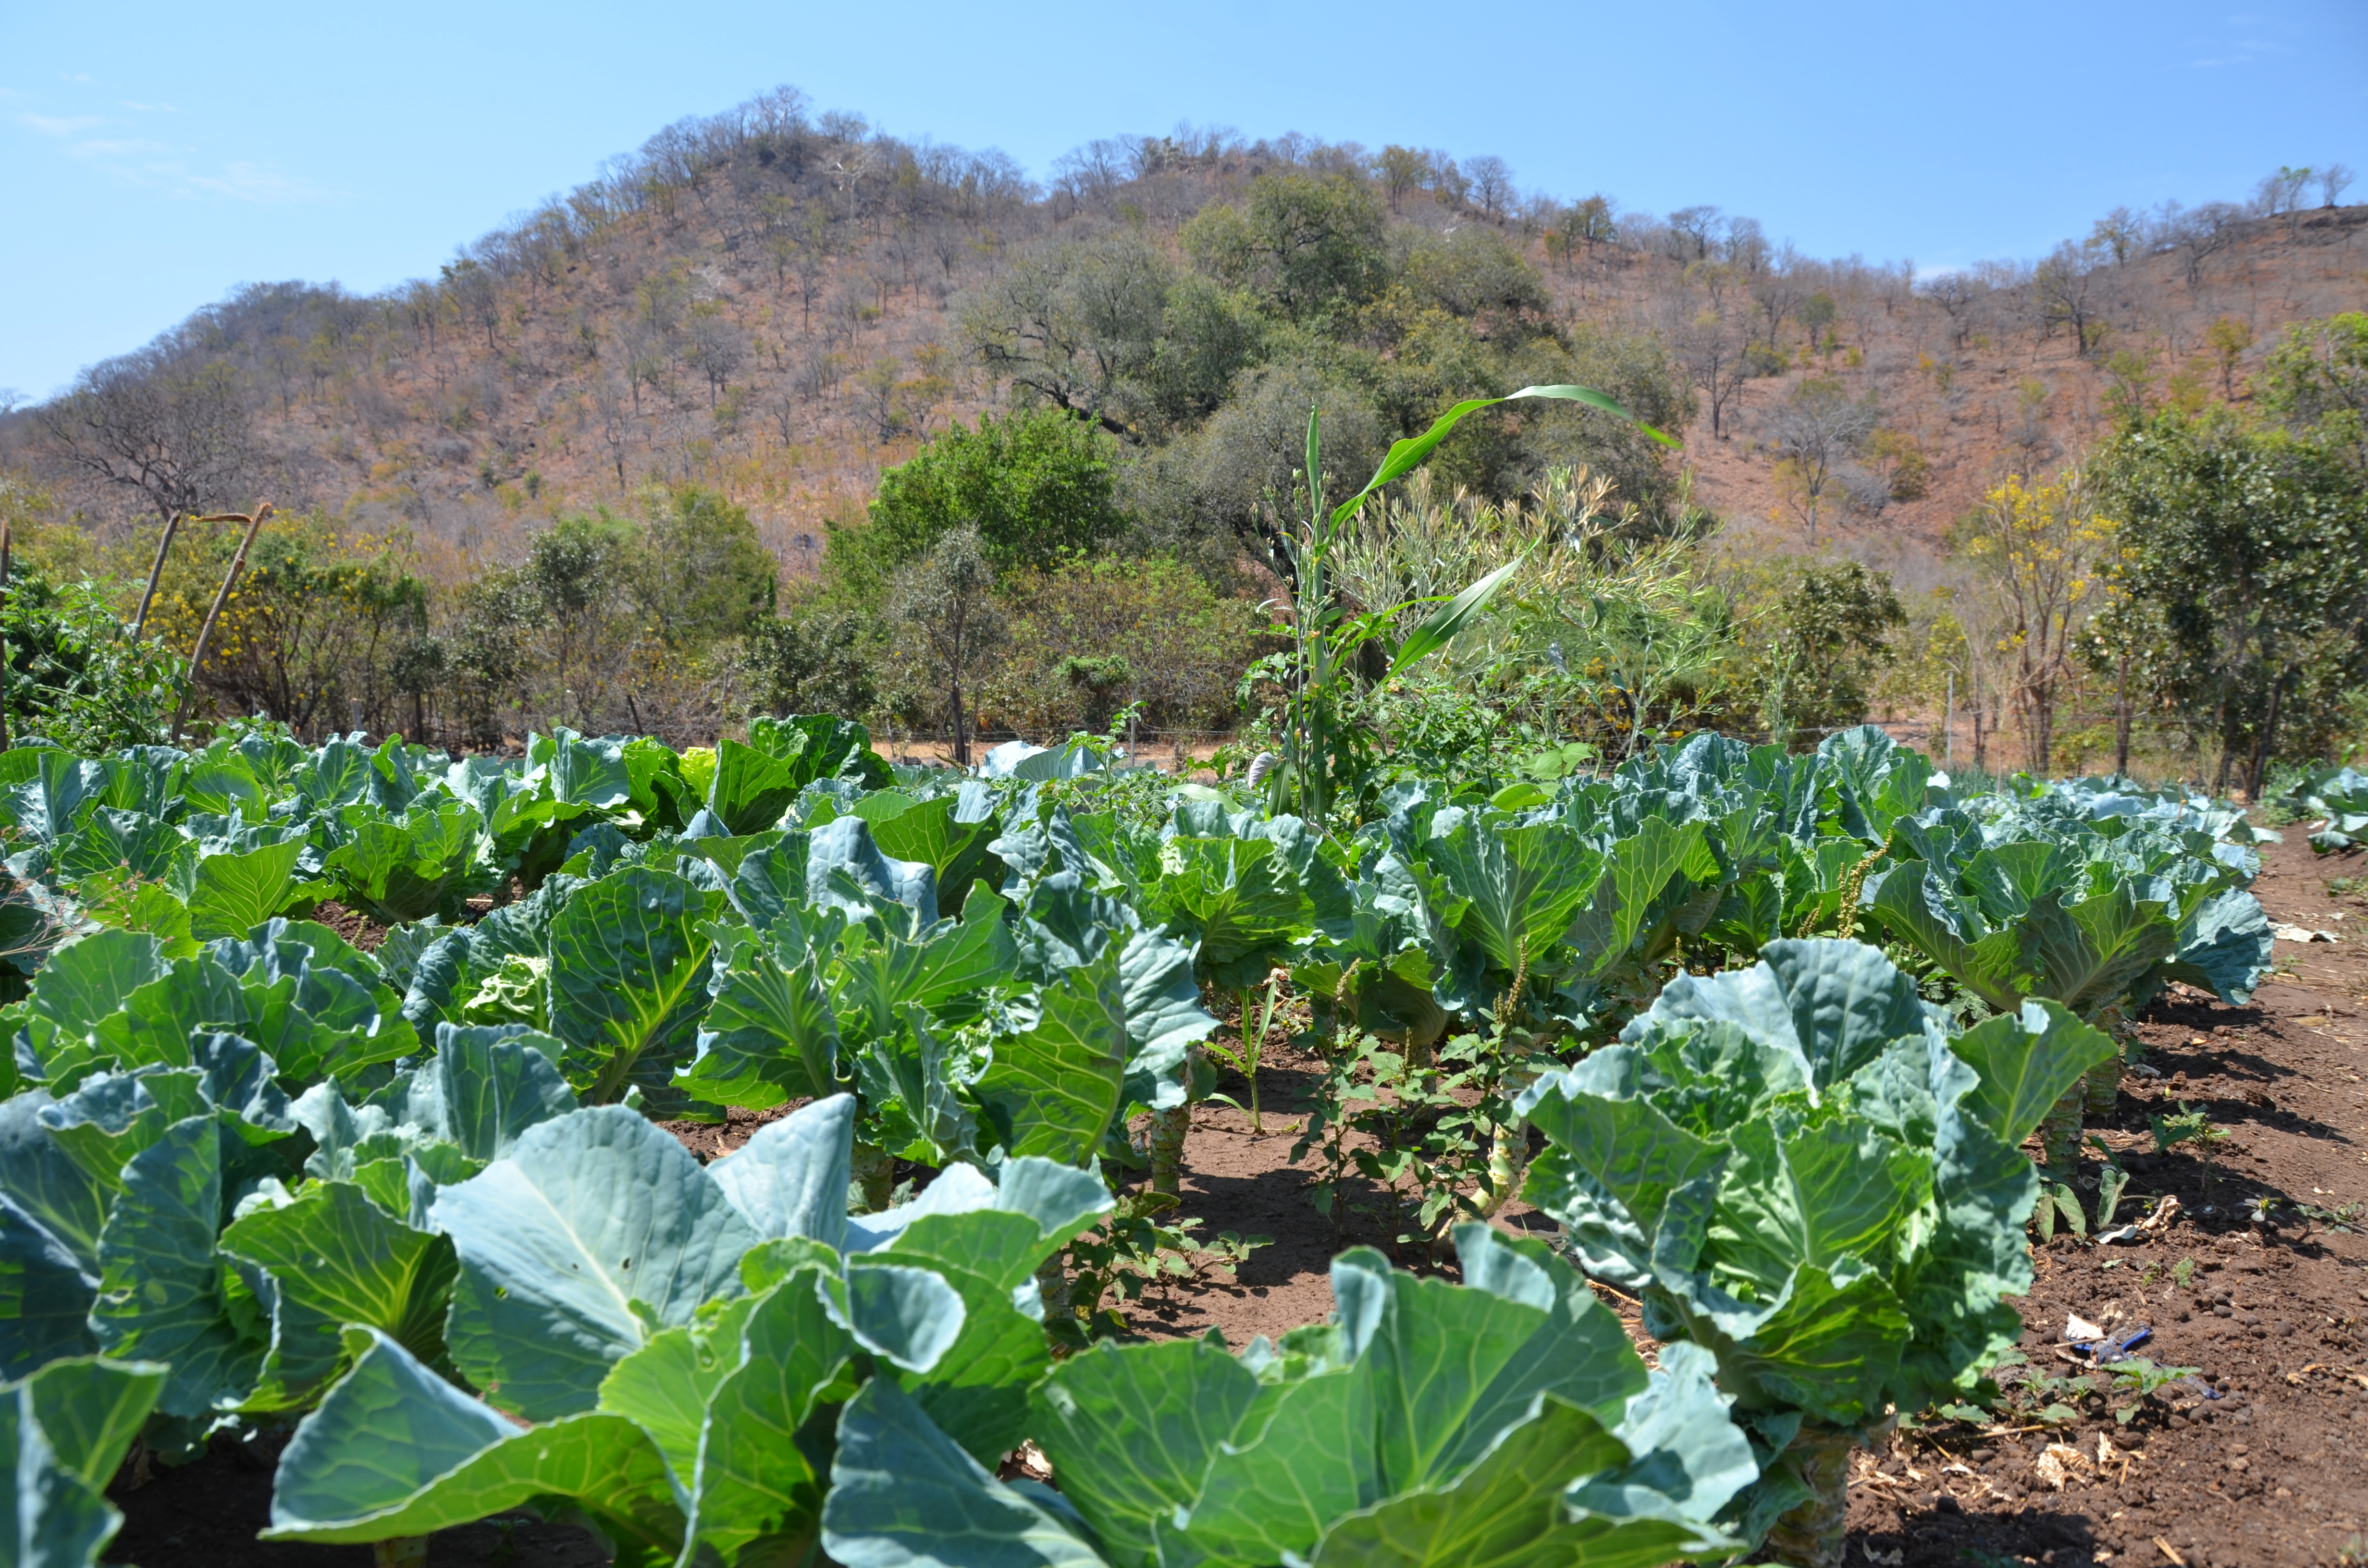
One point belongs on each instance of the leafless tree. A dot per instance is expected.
(609, 406)
(716, 347)
(2066, 288)
(2333, 181)
(1955, 294)
(1492, 185)
(2205, 231)
(1694, 226)
(1814, 429)
(1747, 247)
(1710, 344)
(180, 436)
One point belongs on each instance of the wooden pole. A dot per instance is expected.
(155, 572)
(5, 542)
(205, 631)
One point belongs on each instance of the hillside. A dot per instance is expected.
(761, 303)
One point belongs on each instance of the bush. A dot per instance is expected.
(817, 664)
(1037, 486)
(74, 677)
(1833, 634)
(1092, 637)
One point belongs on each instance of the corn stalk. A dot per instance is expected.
(1326, 635)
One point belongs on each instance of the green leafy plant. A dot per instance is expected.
(1326, 636)
(660, 1327)
(1352, 1442)
(1796, 1168)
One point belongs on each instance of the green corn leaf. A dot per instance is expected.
(1442, 625)
(1404, 456)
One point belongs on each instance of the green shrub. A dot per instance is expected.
(1093, 636)
(74, 677)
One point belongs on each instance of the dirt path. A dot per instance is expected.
(2270, 1473)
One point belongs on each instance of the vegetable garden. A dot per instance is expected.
(1761, 1033)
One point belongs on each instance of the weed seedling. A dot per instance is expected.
(1244, 1059)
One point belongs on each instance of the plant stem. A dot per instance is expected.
(1167, 1130)
(1053, 1284)
(1250, 1050)
(5, 541)
(1810, 1536)
(874, 1170)
(2059, 1134)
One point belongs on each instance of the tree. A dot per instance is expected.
(1309, 243)
(947, 598)
(815, 663)
(879, 381)
(2051, 558)
(1035, 486)
(1711, 344)
(1492, 185)
(176, 434)
(2204, 232)
(1954, 293)
(2315, 379)
(2229, 338)
(703, 576)
(1836, 623)
(2246, 592)
(1079, 324)
(1814, 429)
(2333, 181)
(2067, 290)
(1401, 171)
(474, 292)
(716, 347)
(1694, 226)
(2118, 233)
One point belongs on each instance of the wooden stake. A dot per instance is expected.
(140, 619)
(237, 564)
(6, 540)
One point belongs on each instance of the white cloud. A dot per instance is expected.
(128, 148)
(59, 125)
(246, 182)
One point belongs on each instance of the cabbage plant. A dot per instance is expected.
(1504, 1420)
(663, 1350)
(1796, 1168)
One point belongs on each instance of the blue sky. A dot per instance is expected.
(152, 156)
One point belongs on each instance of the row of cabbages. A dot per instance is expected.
(414, 1194)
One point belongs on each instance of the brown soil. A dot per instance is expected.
(352, 925)
(2266, 1474)
(2261, 1475)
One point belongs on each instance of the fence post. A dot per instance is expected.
(6, 540)
(2122, 718)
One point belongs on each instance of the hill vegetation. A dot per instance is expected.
(782, 412)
